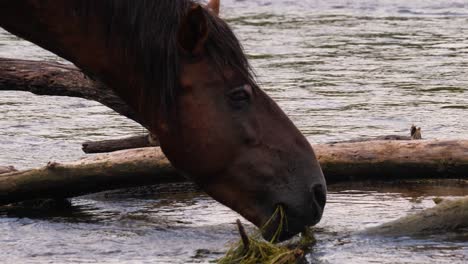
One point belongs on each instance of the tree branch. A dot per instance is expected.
(120, 144)
(52, 78)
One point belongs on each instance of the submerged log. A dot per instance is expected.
(136, 167)
(120, 144)
(449, 215)
(379, 160)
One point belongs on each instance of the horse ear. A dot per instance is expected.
(193, 31)
(213, 5)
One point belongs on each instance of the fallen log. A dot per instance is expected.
(415, 134)
(120, 144)
(379, 160)
(449, 215)
(57, 79)
(388, 160)
(6, 169)
(152, 141)
(136, 167)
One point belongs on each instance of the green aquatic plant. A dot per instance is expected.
(254, 249)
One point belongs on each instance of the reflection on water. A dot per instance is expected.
(340, 69)
(123, 226)
(355, 207)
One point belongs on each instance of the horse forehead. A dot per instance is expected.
(204, 72)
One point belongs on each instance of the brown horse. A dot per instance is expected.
(181, 68)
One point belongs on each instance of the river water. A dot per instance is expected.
(340, 69)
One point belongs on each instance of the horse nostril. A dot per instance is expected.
(320, 195)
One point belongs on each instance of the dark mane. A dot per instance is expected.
(147, 30)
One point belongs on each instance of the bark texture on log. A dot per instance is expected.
(380, 160)
(136, 167)
(120, 144)
(52, 78)
(449, 215)
(384, 160)
(7, 169)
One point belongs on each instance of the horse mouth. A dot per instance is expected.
(281, 227)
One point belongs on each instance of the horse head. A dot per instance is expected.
(232, 138)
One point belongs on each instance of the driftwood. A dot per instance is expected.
(415, 134)
(379, 160)
(449, 215)
(120, 144)
(128, 168)
(7, 169)
(388, 160)
(57, 79)
(52, 78)
(152, 141)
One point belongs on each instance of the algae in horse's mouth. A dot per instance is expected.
(254, 249)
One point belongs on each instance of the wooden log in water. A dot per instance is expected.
(120, 144)
(136, 167)
(152, 141)
(449, 215)
(379, 160)
(389, 160)
(57, 79)
(7, 169)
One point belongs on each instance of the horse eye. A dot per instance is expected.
(239, 94)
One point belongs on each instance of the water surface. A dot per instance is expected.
(340, 69)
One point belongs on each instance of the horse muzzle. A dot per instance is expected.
(297, 217)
